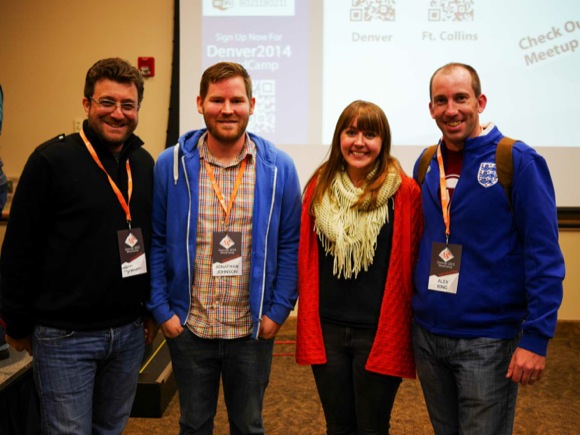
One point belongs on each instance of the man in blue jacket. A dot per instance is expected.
(226, 218)
(489, 274)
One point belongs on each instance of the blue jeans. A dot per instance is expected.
(354, 400)
(86, 380)
(243, 365)
(464, 383)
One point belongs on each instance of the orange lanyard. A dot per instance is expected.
(227, 208)
(124, 204)
(445, 201)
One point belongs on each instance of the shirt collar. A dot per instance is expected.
(249, 148)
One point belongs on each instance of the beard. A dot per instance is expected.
(226, 134)
(110, 137)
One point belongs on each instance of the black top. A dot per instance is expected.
(60, 263)
(356, 302)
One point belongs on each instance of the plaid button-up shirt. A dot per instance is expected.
(220, 305)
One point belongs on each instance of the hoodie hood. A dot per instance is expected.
(186, 144)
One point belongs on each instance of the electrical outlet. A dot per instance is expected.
(77, 125)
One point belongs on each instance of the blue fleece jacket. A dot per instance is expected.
(275, 231)
(511, 268)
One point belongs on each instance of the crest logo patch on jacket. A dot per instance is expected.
(487, 174)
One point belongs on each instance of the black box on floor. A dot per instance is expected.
(156, 385)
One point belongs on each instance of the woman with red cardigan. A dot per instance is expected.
(361, 223)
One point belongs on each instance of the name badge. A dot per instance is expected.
(132, 252)
(445, 264)
(226, 253)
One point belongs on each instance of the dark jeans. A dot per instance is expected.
(464, 383)
(355, 401)
(243, 365)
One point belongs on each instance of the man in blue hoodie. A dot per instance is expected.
(490, 270)
(226, 218)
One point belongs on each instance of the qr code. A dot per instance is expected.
(451, 10)
(372, 10)
(264, 118)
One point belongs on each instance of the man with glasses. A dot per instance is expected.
(74, 266)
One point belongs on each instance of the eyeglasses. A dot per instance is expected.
(127, 107)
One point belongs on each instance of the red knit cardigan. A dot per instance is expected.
(392, 352)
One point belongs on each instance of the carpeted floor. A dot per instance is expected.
(291, 407)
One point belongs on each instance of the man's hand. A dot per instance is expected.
(171, 328)
(268, 328)
(151, 328)
(20, 344)
(526, 367)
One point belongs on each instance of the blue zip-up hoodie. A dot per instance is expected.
(275, 231)
(511, 265)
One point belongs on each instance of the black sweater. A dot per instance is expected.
(356, 302)
(60, 263)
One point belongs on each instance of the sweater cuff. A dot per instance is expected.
(278, 313)
(534, 343)
(161, 313)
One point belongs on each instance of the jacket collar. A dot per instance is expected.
(132, 143)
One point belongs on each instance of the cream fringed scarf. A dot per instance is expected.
(350, 234)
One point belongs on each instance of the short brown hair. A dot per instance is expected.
(117, 70)
(475, 82)
(222, 71)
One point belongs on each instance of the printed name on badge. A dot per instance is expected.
(226, 253)
(445, 265)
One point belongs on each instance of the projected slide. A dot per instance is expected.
(270, 38)
(526, 52)
(308, 59)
